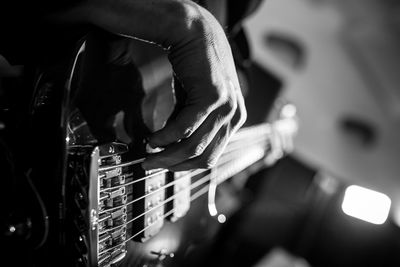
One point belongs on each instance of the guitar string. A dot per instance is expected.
(227, 153)
(149, 194)
(206, 178)
(134, 181)
(191, 187)
(203, 180)
(228, 149)
(247, 132)
(130, 163)
(193, 173)
(121, 165)
(221, 165)
(192, 198)
(223, 160)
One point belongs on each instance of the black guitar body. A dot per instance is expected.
(24, 221)
(87, 200)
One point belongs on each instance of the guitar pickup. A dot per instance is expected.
(108, 240)
(181, 192)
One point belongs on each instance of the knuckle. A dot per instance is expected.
(186, 133)
(222, 94)
(182, 132)
(214, 97)
(229, 107)
(207, 162)
(199, 149)
(195, 150)
(242, 116)
(232, 104)
(192, 22)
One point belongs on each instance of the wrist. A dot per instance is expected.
(190, 22)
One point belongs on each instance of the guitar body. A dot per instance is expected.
(93, 203)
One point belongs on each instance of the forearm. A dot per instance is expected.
(201, 58)
(165, 22)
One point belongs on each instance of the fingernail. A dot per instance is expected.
(150, 142)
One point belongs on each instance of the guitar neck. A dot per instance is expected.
(247, 147)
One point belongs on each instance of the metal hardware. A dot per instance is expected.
(94, 220)
(212, 207)
(163, 254)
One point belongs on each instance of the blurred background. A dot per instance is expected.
(335, 199)
(338, 62)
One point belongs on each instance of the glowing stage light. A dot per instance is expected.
(289, 111)
(366, 204)
(221, 218)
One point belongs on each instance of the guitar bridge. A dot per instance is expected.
(118, 200)
(108, 198)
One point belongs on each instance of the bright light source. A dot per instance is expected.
(366, 204)
(289, 111)
(221, 218)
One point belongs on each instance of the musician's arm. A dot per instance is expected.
(202, 60)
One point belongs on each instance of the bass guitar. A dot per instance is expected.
(87, 142)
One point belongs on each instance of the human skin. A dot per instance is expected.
(202, 61)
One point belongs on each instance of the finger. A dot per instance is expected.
(215, 149)
(191, 147)
(240, 116)
(203, 99)
(210, 156)
(186, 122)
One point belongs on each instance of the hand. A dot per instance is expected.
(202, 61)
(214, 108)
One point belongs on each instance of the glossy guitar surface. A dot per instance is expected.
(103, 208)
